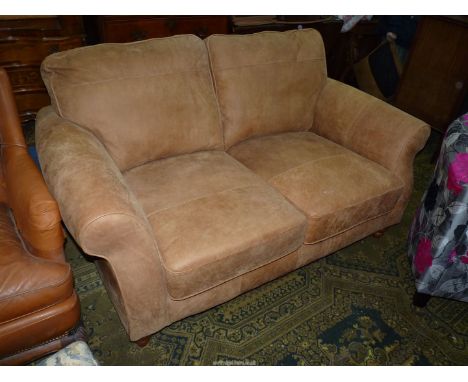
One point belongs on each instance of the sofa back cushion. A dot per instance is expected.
(143, 100)
(268, 82)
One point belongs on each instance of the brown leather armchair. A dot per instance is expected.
(39, 309)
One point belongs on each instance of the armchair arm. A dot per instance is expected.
(105, 218)
(373, 129)
(22, 188)
(36, 213)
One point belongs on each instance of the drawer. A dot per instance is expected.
(115, 29)
(29, 102)
(24, 76)
(33, 50)
(40, 26)
(27, 25)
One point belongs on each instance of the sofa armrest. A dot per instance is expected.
(104, 217)
(372, 129)
(367, 125)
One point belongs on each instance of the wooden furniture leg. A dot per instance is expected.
(421, 299)
(142, 342)
(379, 234)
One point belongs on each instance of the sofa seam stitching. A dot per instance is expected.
(350, 133)
(154, 75)
(58, 283)
(85, 227)
(350, 228)
(230, 279)
(393, 189)
(295, 61)
(157, 255)
(215, 89)
(52, 87)
(201, 197)
(73, 52)
(42, 309)
(271, 179)
(326, 80)
(403, 144)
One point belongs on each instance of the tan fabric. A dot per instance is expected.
(373, 129)
(143, 100)
(106, 220)
(232, 288)
(312, 252)
(213, 219)
(267, 82)
(334, 187)
(176, 236)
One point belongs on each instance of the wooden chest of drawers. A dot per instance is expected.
(24, 43)
(133, 28)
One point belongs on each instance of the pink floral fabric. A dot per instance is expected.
(423, 257)
(458, 173)
(438, 238)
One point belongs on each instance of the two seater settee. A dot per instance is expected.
(196, 170)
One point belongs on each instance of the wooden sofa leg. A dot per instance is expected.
(421, 299)
(379, 234)
(142, 342)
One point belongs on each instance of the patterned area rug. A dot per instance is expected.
(350, 308)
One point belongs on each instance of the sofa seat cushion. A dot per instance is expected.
(213, 219)
(27, 283)
(336, 188)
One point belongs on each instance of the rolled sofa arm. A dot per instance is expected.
(106, 220)
(373, 129)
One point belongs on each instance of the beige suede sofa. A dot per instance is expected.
(196, 170)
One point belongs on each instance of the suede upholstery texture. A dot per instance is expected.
(195, 171)
(333, 186)
(143, 100)
(200, 209)
(104, 217)
(267, 82)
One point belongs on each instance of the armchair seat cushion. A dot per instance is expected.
(213, 219)
(27, 283)
(335, 188)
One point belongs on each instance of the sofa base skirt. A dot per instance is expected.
(39, 333)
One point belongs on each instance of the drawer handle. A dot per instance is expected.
(54, 48)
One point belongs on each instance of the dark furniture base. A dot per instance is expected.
(420, 299)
